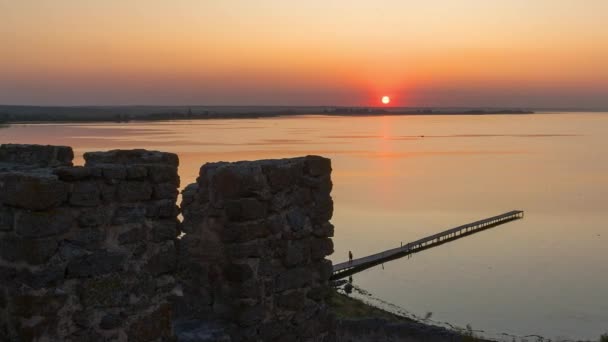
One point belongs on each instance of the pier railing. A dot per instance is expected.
(347, 268)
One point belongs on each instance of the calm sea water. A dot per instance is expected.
(399, 178)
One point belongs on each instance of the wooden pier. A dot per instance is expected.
(347, 268)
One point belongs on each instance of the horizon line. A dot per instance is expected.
(301, 106)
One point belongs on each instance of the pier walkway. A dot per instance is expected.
(347, 268)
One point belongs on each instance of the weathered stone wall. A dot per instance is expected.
(94, 253)
(86, 253)
(257, 234)
(14, 156)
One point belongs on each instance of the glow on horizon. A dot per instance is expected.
(436, 53)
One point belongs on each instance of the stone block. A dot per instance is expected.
(108, 192)
(298, 220)
(317, 166)
(325, 229)
(38, 329)
(28, 305)
(131, 157)
(48, 276)
(298, 252)
(323, 209)
(323, 270)
(6, 219)
(69, 250)
(74, 173)
(271, 331)
(32, 251)
(138, 172)
(321, 248)
(294, 278)
(251, 315)
(95, 217)
(88, 238)
(132, 213)
(37, 224)
(280, 201)
(89, 335)
(152, 326)
(244, 231)
(95, 264)
(226, 182)
(270, 267)
(319, 293)
(109, 291)
(245, 209)
(163, 174)
(165, 191)
(251, 249)
(36, 155)
(134, 233)
(302, 196)
(163, 230)
(134, 191)
(162, 209)
(113, 172)
(32, 191)
(282, 176)
(163, 261)
(189, 194)
(85, 194)
(238, 272)
(110, 321)
(7, 274)
(291, 300)
(297, 225)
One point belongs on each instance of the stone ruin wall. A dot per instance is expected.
(94, 253)
(257, 234)
(87, 253)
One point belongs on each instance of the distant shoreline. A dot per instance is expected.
(33, 114)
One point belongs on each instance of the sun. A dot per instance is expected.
(386, 99)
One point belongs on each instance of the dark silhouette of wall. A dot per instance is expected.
(94, 252)
(257, 234)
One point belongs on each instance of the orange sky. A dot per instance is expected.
(318, 52)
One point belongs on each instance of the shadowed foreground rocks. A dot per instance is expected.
(94, 253)
(257, 234)
(87, 253)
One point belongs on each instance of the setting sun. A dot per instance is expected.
(386, 99)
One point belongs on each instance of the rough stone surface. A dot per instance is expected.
(82, 255)
(35, 191)
(36, 155)
(36, 224)
(131, 157)
(261, 231)
(94, 252)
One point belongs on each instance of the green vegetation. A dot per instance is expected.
(604, 337)
(346, 307)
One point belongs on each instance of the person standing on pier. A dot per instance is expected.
(350, 257)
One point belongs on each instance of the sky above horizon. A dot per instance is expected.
(516, 53)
